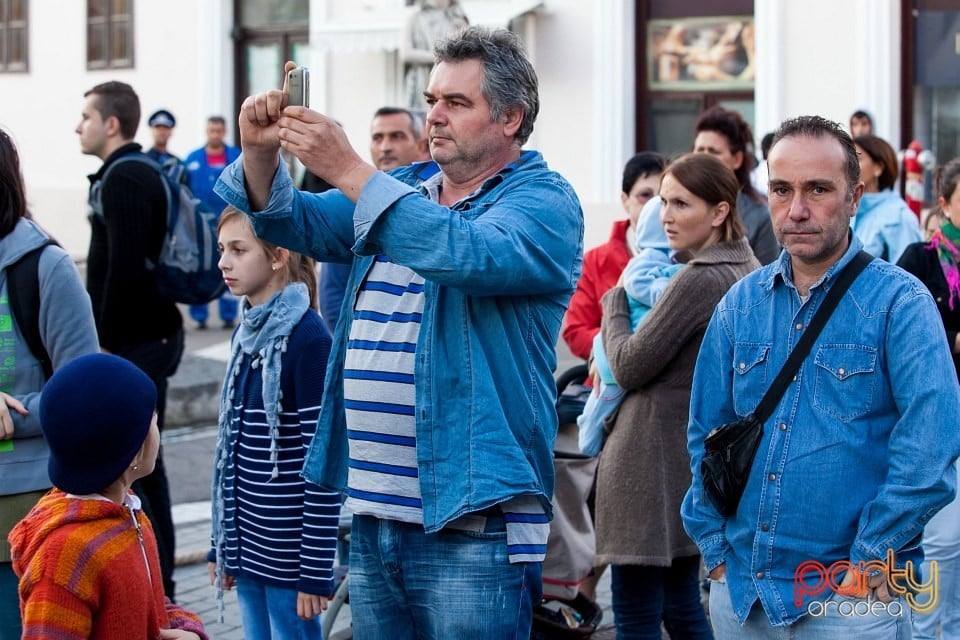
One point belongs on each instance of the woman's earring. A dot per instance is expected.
(135, 467)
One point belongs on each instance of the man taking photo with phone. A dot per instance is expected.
(439, 414)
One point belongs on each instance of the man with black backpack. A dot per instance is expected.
(133, 319)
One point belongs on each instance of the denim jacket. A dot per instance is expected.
(856, 457)
(500, 266)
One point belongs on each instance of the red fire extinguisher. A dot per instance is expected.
(913, 165)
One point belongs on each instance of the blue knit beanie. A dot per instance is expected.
(95, 413)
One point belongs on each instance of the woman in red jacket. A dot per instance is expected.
(602, 265)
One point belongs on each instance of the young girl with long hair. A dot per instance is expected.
(274, 534)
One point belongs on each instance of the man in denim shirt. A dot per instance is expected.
(855, 458)
(438, 418)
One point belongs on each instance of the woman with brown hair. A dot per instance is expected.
(883, 222)
(63, 322)
(725, 135)
(644, 468)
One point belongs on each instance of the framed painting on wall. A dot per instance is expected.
(701, 54)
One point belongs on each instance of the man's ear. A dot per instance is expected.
(512, 119)
(112, 126)
(857, 194)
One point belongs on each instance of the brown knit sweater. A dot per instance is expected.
(644, 468)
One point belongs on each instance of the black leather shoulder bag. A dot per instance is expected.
(731, 447)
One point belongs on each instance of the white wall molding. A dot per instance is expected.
(878, 37)
(769, 88)
(614, 83)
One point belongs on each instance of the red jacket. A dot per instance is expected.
(602, 267)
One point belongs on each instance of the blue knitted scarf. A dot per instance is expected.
(263, 334)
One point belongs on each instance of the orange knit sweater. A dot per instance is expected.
(87, 570)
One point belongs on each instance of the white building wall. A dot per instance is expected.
(583, 53)
(569, 130)
(807, 64)
(183, 63)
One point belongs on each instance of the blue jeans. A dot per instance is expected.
(407, 584)
(838, 620)
(941, 542)
(226, 305)
(10, 628)
(270, 613)
(644, 597)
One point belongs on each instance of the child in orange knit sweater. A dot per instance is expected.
(85, 554)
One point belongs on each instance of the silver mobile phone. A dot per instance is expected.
(298, 87)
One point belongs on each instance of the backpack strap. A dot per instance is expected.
(96, 192)
(23, 293)
(96, 198)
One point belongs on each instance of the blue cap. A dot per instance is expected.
(162, 118)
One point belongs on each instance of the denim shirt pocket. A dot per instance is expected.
(845, 380)
(750, 379)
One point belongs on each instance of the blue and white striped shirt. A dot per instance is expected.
(379, 398)
(281, 531)
(378, 394)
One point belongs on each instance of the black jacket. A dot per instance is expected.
(924, 262)
(126, 304)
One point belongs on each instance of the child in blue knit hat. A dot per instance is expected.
(86, 554)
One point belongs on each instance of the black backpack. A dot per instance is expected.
(23, 293)
(186, 270)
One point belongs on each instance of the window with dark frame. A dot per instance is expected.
(13, 36)
(109, 34)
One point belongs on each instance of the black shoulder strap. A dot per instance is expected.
(802, 349)
(23, 292)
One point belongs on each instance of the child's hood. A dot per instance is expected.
(650, 233)
(52, 512)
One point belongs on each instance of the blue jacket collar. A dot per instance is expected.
(784, 269)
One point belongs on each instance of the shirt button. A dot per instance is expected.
(799, 326)
(772, 476)
(841, 371)
(783, 427)
(794, 378)
(760, 575)
(743, 366)
(764, 527)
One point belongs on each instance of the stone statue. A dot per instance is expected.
(430, 20)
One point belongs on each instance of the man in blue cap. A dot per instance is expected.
(161, 124)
